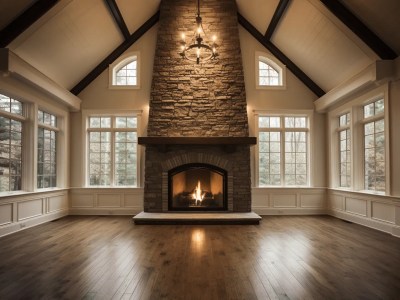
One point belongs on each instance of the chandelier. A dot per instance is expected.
(198, 50)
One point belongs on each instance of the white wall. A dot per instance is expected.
(98, 96)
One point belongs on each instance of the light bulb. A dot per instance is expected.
(198, 52)
(214, 38)
(183, 36)
(199, 30)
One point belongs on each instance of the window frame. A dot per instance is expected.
(339, 129)
(356, 108)
(120, 63)
(275, 64)
(31, 105)
(309, 144)
(23, 120)
(86, 115)
(56, 130)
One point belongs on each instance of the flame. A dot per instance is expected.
(198, 195)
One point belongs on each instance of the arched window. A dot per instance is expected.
(124, 73)
(269, 73)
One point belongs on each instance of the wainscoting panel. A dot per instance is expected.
(6, 214)
(289, 201)
(57, 203)
(260, 200)
(376, 211)
(109, 200)
(30, 209)
(84, 200)
(106, 201)
(25, 210)
(283, 201)
(337, 202)
(356, 206)
(312, 200)
(383, 212)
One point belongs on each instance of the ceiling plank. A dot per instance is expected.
(23, 21)
(116, 13)
(360, 29)
(115, 54)
(281, 56)
(280, 10)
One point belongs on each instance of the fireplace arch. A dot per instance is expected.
(197, 187)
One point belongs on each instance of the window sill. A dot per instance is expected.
(22, 193)
(270, 87)
(124, 87)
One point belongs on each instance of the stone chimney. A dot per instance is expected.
(190, 100)
(198, 100)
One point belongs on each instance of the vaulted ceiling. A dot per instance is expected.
(323, 42)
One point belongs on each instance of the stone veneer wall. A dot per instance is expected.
(190, 100)
(198, 100)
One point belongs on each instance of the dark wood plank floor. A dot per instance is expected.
(286, 257)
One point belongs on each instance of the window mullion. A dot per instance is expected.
(113, 122)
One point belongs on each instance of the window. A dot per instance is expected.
(344, 150)
(374, 146)
(359, 143)
(124, 73)
(112, 151)
(11, 124)
(46, 148)
(269, 73)
(283, 150)
(127, 74)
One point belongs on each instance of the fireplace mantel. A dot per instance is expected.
(158, 140)
(228, 144)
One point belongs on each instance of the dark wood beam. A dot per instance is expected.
(115, 54)
(23, 21)
(281, 56)
(276, 18)
(116, 13)
(360, 29)
(180, 140)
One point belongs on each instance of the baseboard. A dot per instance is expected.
(18, 226)
(390, 228)
(106, 211)
(265, 211)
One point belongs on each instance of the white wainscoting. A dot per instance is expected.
(289, 201)
(375, 211)
(25, 210)
(106, 201)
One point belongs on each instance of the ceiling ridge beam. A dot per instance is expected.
(24, 20)
(280, 10)
(119, 19)
(115, 54)
(281, 56)
(360, 29)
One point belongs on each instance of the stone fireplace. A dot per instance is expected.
(197, 144)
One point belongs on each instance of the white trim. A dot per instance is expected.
(275, 64)
(120, 62)
(11, 65)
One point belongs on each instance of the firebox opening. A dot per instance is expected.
(197, 187)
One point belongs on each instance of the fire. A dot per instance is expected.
(198, 195)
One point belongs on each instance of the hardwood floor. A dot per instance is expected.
(286, 257)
